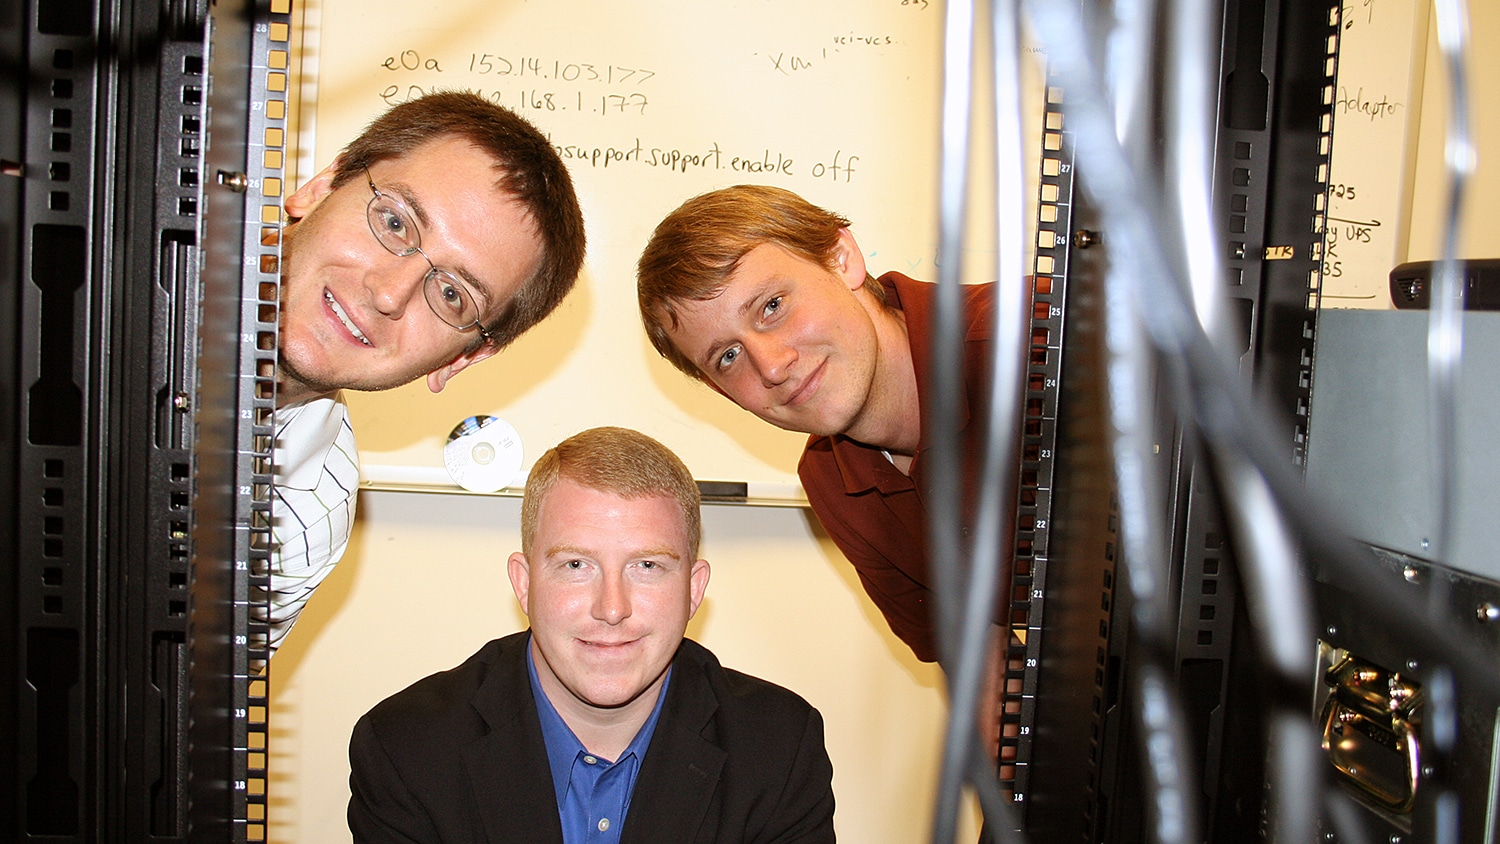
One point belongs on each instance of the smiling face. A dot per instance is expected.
(353, 314)
(789, 340)
(609, 587)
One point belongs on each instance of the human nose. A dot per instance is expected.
(394, 283)
(771, 358)
(612, 603)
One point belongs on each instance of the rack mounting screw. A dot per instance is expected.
(235, 181)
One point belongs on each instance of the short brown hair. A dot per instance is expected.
(618, 461)
(696, 248)
(533, 174)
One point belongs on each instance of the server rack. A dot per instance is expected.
(1071, 746)
(135, 461)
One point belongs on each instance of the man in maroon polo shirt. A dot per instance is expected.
(765, 297)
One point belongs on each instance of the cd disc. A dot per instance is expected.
(483, 454)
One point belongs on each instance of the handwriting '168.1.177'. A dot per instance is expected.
(604, 104)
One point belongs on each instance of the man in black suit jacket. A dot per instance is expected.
(689, 751)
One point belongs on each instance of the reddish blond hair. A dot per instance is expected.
(696, 248)
(615, 460)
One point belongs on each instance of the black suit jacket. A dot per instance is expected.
(459, 757)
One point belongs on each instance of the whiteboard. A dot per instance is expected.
(650, 104)
(1376, 118)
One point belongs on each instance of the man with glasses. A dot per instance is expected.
(601, 723)
(440, 234)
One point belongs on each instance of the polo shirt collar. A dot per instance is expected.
(862, 475)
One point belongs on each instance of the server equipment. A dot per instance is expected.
(1074, 756)
(140, 158)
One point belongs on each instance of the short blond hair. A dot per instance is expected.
(618, 461)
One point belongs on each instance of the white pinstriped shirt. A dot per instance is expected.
(312, 503)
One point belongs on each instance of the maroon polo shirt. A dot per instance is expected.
(876, 515)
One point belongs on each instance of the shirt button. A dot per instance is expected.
(603, 824)
(590, 760)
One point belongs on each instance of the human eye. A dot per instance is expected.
(449, 292)
(727, 357)
(390, 224)
(652, 569)
(392, 220)
(770, 308)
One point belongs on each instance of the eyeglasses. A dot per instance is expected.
(444, 291)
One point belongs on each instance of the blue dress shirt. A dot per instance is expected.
(593, 793)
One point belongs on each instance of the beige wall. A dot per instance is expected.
(1481, 210)
(423, 586)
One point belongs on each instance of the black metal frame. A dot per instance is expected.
(1078, 771)
(135, 461)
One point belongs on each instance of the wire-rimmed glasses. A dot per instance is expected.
(446, 293)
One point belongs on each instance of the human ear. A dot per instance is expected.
(698, 586)
(304, 199)
(849, 261)
(439, 378)
(519, 570)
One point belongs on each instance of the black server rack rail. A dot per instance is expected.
(128, 480)
(245, 174)
(1063, 593)
(1275, 145)
(1055, 691)
(1039, 444)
